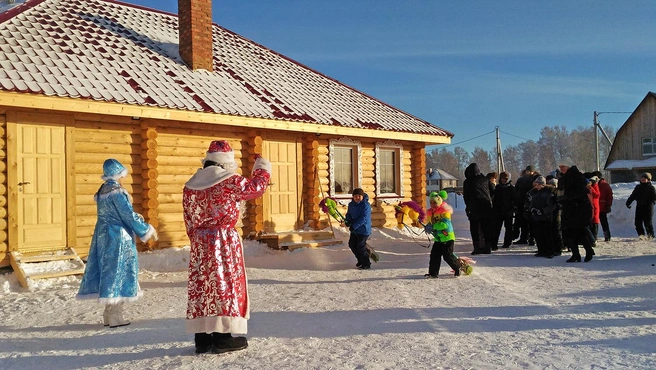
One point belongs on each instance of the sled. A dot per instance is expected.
(465, 264)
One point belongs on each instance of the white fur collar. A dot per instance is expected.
(207, 177)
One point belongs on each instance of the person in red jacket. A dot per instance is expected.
(594, 195)
(605, 203)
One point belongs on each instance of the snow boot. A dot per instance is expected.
(203, 342)
(106, 313)
(225, 342)
(116, 317)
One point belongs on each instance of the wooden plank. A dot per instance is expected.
(18, 270)
(46, 275)
(46, 258)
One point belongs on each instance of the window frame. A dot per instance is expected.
(344, 142)
(398, 176)
(653, 145)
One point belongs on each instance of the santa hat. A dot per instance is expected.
(219, 152)
(113, 170)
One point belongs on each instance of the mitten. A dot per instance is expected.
(428, 229)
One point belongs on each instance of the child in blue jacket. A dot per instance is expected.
(358, 219)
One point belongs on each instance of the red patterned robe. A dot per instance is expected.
(217, 288)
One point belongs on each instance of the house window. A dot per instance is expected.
(345, 170)
(389, 170)
(649, 146)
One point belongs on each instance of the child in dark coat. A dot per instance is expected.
(645, 196)
(542, 207)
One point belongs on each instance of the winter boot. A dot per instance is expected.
(607, 236)
(203, 342)
(116, 317)
(225, 342)
(106, 313)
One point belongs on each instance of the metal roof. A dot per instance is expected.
(116, 52)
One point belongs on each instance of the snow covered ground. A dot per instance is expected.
(311, 309)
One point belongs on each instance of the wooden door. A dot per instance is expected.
(282, 200)
(41, 187)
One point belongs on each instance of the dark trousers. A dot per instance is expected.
(557, 234)
(358, 245)
(603, 218)
(442, 250)
(643, 216)
(520, 228)
(503, 220)
(574, 236)
(543, 234)
(480, 233)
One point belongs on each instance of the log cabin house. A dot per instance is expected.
(83, 81)
(634, 149)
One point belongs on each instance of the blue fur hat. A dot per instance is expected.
(113, 170)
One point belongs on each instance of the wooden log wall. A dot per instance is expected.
(4, 255)
(149, 174)
(254, 220)
(316, 184)
(95, 141)
(180, 148)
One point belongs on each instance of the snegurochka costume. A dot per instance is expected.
(112, 267)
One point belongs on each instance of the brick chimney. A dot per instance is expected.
(195, 38)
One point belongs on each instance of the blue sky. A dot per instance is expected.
(468, 66)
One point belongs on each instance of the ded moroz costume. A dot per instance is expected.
(218, 303)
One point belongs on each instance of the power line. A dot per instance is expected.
(519, 137)
(464, 141)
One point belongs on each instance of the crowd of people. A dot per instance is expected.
(556, 213)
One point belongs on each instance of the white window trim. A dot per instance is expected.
(389, 198)
(344, 141)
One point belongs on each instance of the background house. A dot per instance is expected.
(634, 149)
(84, 81)
(437, 180)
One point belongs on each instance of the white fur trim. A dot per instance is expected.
(111, 301)
(262, 163)
(220, 157)
(149, 234)
(217, 324)
(207, 177)
(115, 177)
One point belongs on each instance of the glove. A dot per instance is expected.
(428, 229)
(608, 209)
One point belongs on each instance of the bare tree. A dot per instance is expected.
(482, 158)
(463, 160)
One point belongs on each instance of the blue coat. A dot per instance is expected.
(112, 267)
(358, 216)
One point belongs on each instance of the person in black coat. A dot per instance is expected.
(541, 209)
(522, 224)
(576, 211)
(477, 194)
(645, 195)
(503, 204)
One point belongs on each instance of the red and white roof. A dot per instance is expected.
(116, 52)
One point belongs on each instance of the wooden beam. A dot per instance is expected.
(21, 100)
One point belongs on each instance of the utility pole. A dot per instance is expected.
(500, 165)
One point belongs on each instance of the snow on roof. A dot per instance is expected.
(437, 174)
(623, 164)
(116, 52)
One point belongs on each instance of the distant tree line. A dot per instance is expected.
(554, 143)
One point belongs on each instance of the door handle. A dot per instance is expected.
(23, 183)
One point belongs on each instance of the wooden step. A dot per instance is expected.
(309, 244)
(27, 265)
(298, 239)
